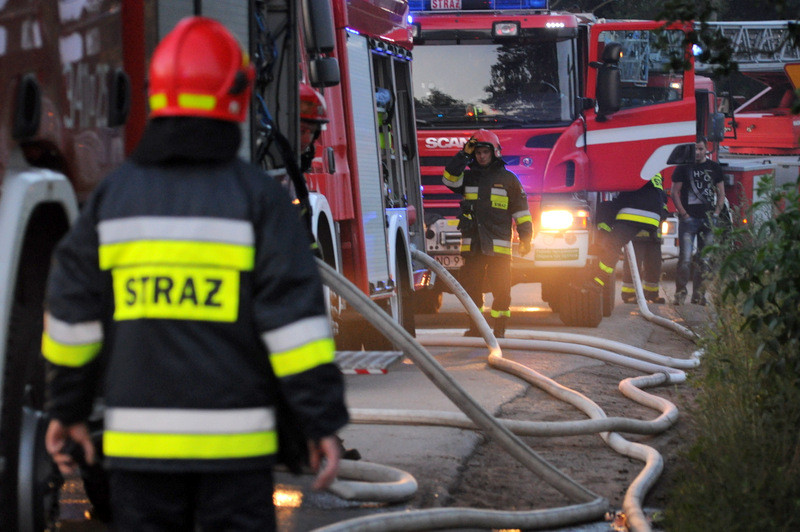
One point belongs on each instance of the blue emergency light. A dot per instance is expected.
(475, 5)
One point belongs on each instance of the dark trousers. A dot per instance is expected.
(689, 231)
(488, 273)
(648, 258)
(186, 502)
(611, 245)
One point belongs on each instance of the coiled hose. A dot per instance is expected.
(589, 506)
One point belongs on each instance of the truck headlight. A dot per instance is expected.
(563, 219)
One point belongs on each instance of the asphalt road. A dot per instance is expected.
(433, 455)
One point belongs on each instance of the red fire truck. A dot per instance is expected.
(762, 134)
(583, 108)
(72, 76)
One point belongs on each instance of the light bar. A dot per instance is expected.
(476, 5)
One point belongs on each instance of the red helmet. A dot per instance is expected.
(312, 105)
(199, 69)
(488, 139)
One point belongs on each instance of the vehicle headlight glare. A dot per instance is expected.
(557, 220)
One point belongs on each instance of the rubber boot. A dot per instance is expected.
(500, 327)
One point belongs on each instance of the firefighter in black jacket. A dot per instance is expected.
(187, 293)
(493, 197)
(633, 212)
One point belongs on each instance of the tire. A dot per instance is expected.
(427, 301)
(551, 295)
(407, 296)
(581, 308)
(23, 386)
(609, 296)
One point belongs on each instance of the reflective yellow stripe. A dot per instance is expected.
(522, 219)
(466, 247)
(158, 101)
(607, 269)
(173, 292)
(604, 227)
(637, 218)
(453, 178)
(502, 250)
(303, 358)
(471, 195)
(238, 257)
(71, 355)
(189, 446)
(206, 102)
(650, 287)
(501, 313)
(599, 281)
(627, 290)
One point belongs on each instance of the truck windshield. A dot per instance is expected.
(515, 84)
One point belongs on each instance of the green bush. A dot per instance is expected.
(743, 470)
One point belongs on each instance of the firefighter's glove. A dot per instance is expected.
(466, 219)
(524, 248)
(469, 147)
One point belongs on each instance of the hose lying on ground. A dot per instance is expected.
(591, 506)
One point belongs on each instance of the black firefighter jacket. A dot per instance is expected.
(493, 197)
(189, 294)
(645, 207)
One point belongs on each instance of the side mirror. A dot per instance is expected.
(119, 98)
(323, 72)
(716, 130)
(609, 83)
(682, 154)
(318, 30)
(609, 100)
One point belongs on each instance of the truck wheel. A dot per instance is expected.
(609, 296)
(406, 295)
(581, 308)
(551, 295)
(427, 301)
(25, 468)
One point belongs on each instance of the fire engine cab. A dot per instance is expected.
(583, 108)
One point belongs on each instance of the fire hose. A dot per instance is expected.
(588, 506)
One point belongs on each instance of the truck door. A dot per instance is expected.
(657, 112)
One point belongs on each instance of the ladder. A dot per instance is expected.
(758, 46)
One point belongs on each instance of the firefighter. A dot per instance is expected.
(313, 117)
(647, 248)
(493, 198)
(187, 292)
(633, 212)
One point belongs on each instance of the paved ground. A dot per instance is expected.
(446, 461)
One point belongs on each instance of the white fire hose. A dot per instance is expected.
(378, 483)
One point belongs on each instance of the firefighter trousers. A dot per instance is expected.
(648, 261)
(488, 273)
(611, 246)
(186, 502)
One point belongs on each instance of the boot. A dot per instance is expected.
(472, 332)
(500, 327)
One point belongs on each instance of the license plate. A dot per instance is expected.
(450, 261)
(443, 5)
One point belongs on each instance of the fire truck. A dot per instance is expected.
(73, 82)
(762, 135)
(583, 108)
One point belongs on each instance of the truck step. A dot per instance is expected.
(366, 362)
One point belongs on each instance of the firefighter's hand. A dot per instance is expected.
(56, 440)
(469, 147)
(324, 457)
(524, 248)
